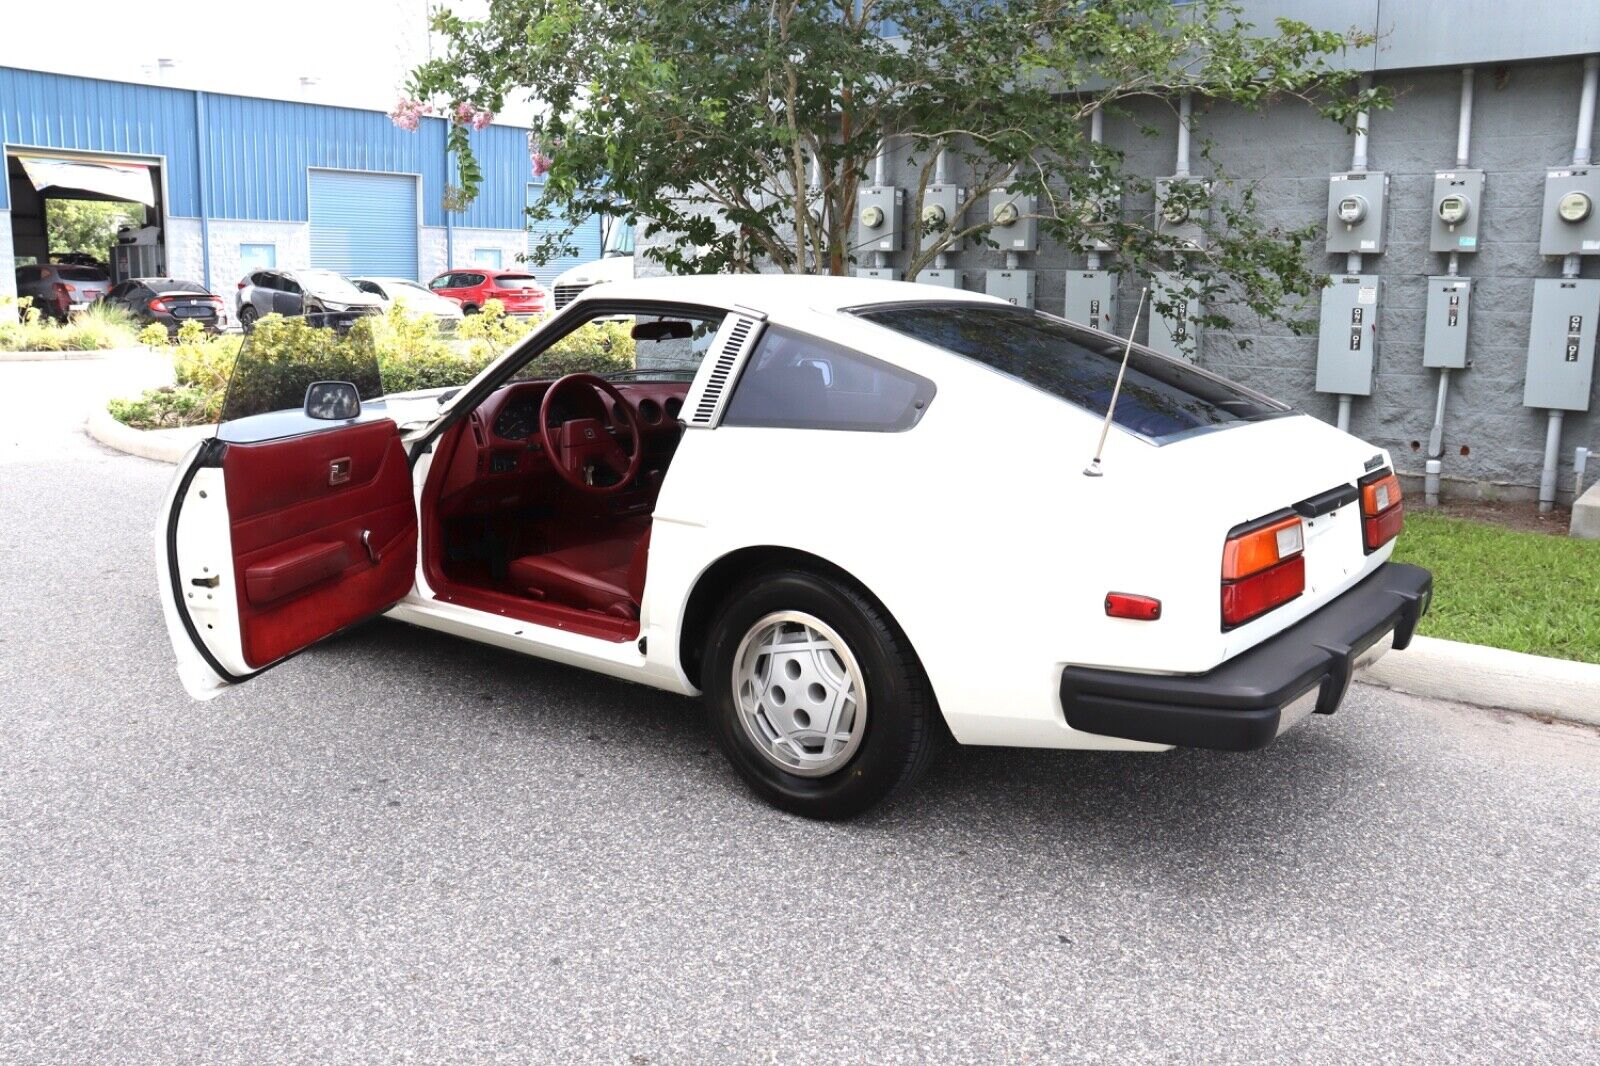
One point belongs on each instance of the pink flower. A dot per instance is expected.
(481, 119)
(407, 113)
(541, 163)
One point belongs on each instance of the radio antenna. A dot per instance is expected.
(1093, 469)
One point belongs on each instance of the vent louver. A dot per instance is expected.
(741, 338)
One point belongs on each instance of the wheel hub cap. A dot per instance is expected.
(799, 693)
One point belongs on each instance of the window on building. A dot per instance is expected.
(486, 257)
(796, 381)
(258, 256)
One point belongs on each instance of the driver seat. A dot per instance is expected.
(605, 574)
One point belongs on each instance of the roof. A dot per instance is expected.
(764, 291)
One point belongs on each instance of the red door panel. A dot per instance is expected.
(324, 534)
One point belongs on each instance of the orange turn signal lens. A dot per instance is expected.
(1259, 549)
(1380, 495)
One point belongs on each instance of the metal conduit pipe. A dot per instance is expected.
(1582, 148)
(1352, 261)
(879, 169)
(1433, 467)
(1097, 129)
(1185, 111)
(940, 177)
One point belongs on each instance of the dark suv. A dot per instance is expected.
(298, 292)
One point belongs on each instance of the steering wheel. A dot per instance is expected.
(578, 444)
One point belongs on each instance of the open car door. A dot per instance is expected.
(296, 519)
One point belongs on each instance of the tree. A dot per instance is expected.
(89, 225)
(740, 134)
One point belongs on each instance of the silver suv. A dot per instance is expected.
(301, 292)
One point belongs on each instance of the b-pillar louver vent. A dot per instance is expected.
(740, 334)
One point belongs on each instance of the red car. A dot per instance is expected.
(520, 293)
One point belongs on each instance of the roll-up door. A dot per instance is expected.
(364, 223)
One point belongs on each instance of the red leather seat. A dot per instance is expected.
(602, 575)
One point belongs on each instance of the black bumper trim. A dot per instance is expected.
(1236, 706)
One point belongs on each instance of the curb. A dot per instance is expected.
(160, 445)
(60, 357)
(1492, 677)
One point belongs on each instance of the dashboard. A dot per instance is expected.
(518, 417)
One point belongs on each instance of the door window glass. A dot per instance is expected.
(797, 381)
(280, 359)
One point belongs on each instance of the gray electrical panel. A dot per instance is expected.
(950, 279)
(1357, 212)
(1444, 336)
(1013, 285)
(1092, 299)
(1347, 341)
(1457, 211)
(878, 211)
(1176, 334)
(1561, 343)
(1180, 212)
(1014, 229)
(941, 206)
(878, 273)
(1571, 220)
(1101, 209)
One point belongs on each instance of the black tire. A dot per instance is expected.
(901, 731)
(469, 309)
(247, 318)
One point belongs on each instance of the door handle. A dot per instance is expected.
(366, 542)
(339, 471)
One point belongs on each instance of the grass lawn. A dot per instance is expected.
(1525, 591)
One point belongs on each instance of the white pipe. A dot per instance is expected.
(1436, 438)
(1358, 158)
(1185, 111)
(1464, 119)
(1352, 263)
(1430, 482)
(1582, 146)
(1097, 132)
(1012, 261)
(878, 162)
(1344, 413)
(939, 173)
(1552, 453)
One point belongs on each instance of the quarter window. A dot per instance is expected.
(797, 381)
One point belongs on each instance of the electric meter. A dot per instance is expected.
(1352, 209)
(1454, 209)
(933, 215)
(872, 217)
(1005, 215)
(1175, 213)
(1574, 206)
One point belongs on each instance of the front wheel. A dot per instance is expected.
(816, 696)
(247, 318)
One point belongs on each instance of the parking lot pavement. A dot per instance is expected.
(399, 844)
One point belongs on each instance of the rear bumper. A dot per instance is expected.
(1238, 705)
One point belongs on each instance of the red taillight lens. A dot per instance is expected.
(242, 284)
(1129, 605)
(63, 296)
(1382, 513)
(158, 304)
(1263, 567)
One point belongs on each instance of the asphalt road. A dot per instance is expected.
(399, 845)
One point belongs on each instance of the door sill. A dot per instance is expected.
(547, 615)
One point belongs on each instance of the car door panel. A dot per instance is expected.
(323, 533)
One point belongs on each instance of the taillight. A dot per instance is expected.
(1263, 566)
(158, 304)
(63, 296)
(242, 284)
(1131, 605)
(1382, 513)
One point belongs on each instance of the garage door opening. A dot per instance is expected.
(99, 213)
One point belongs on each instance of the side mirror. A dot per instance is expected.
(332, 401)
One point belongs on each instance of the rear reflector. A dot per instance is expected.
(1382, 513)
(1263, 566)
(1129, 605)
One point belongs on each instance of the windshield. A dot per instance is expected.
(619, 238)
(327, 283)
(1161, 399)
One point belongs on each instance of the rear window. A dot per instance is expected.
(1162, 399)
(81, 273)
(175, 285)
(517, 281)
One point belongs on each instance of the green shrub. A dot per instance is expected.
(96, 328)
(154, 336)
(167, 407)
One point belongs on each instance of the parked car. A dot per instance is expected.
(168, 302)
(519, 293)
(852, 515)
(300, 292)
(419, 298)
(60, 289)
(78, 259)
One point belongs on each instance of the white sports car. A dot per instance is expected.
(854, 515)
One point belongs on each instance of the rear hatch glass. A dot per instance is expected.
(515, 281)
(72, 273)
(1162, 399)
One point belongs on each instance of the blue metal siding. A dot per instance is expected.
(587, 237)
(257, 152)
(364, 223)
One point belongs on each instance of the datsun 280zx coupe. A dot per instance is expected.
(852, 515)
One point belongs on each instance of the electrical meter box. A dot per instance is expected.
(1014, 227)
(878, 273)
(1182, 208)
(1101, 209)
(1092, 299)
(1015, 286)
(1176, 333)
(1561, 343)
(878, 211)
(1571, 219)
(1457, 210)
(949, 279)
(1444, 335)
(1347, 341)
(941, 205)
(1357, 212)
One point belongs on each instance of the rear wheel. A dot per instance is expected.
(469, 309)
(816, 696)
(247, 318)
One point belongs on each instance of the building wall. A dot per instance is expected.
(464, 241)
